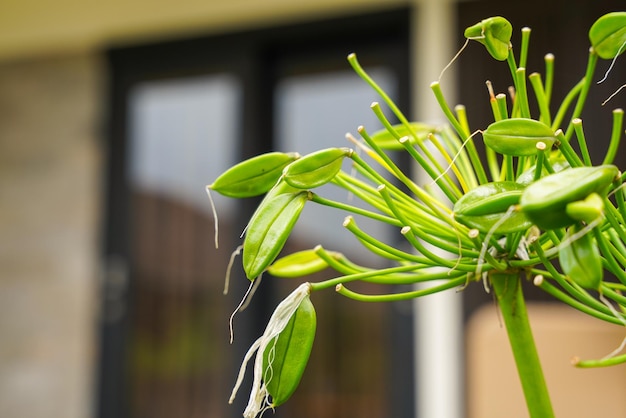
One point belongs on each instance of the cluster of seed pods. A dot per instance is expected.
(536, 201)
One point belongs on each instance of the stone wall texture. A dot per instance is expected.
(50, 195)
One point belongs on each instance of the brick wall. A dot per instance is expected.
(50, 192)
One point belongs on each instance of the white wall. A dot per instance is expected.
(36, 27)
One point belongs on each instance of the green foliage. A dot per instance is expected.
(416, 133)
(501, 217)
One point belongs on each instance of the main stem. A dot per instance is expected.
(508, 291)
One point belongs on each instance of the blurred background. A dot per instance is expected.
(113, 118)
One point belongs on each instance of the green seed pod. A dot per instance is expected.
(581, 260)
(269, 229)
(528, 176)
(284, 362)
(254, 176)
(545, 201)
(485, 206)
(386, 140)
(587, 210)
(315, 169)
(608, 35)
(495, 33)
(298, 264)
(518, 136)
(495, 197)
(514, 222)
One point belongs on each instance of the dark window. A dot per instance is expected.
(180, 113)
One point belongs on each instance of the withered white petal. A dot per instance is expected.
(259, 397)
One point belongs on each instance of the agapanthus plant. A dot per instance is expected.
(532, 208)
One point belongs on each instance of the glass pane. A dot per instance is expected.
(315, 112)
(349, 374)
(182, 135)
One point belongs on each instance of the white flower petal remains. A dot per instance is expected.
(259, 396)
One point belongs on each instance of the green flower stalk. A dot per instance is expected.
(536, 202)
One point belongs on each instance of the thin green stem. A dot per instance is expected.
(548, 166)
(379, 276)
(490, 260)
(461, 115)
(582, 97)
(567, 101)
(495, 109)
(521, 95)
(394, 108)
(354, 210)
(513, 68)
(611, 361)
(463, 133)
(429, 223)
(582, 141)
(394, 297)
(620, 198)
(418, 273)
(459, 172)
(427, 161)
(501, 99)
(480, 242)
(462, 161)
(523, 55)
(360, 189)
(572, 288)
(616, 296)
(566, 149)
(507, 168)
(541, 159)
(613, 215)
(374, 244)
(616, 134)
(440, 210)
(548, 59)
(377, 177)
(542, 99)
(411, 237)
(522, 165)
(436, 88)
(513, 241)
(611, 263)
(450, 189)
(565, 298)
(508, 290)
(493, 164)
(618, 244)
(432, 232)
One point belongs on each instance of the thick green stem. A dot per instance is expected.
(508, 290)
